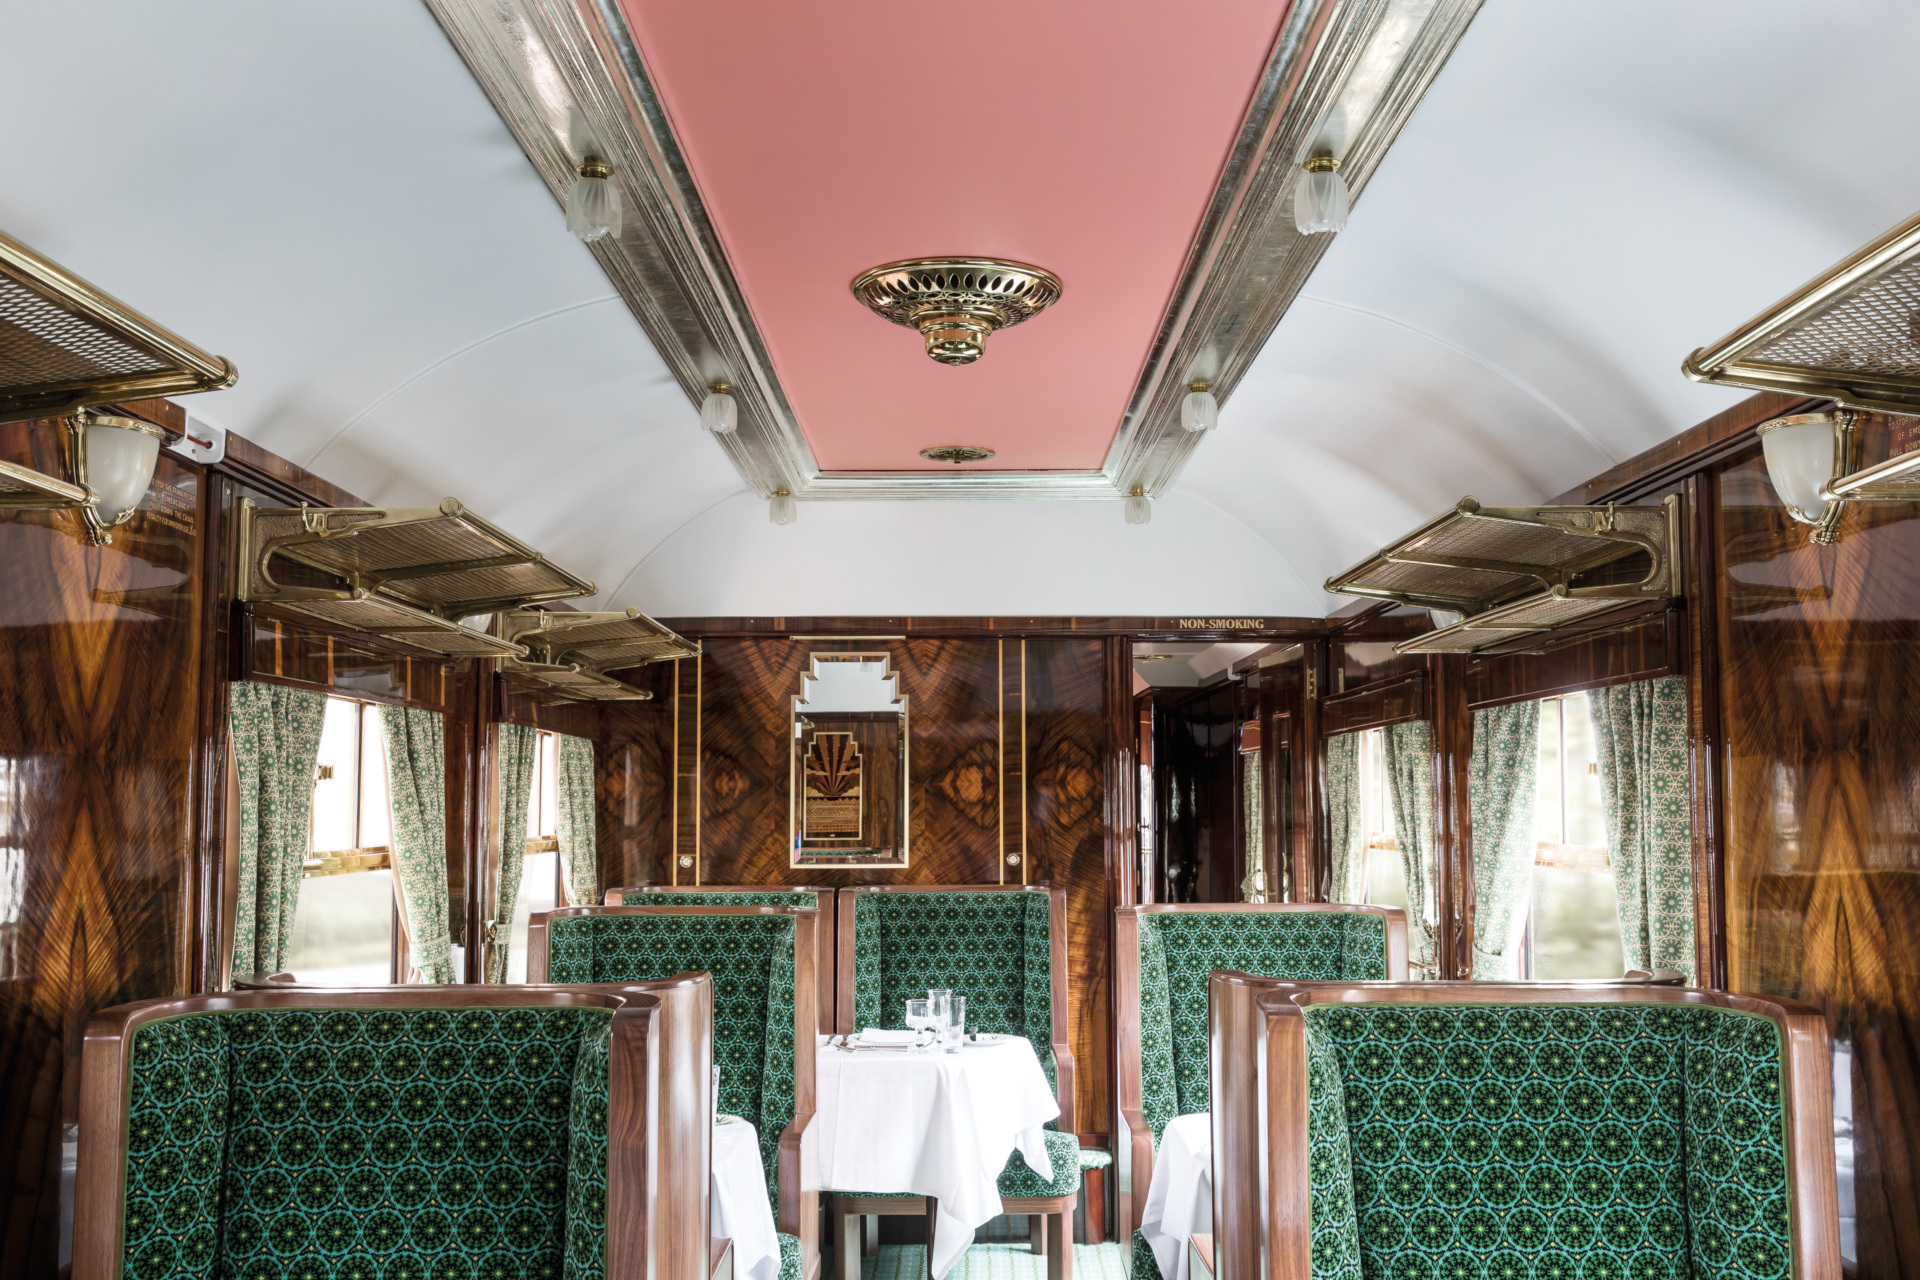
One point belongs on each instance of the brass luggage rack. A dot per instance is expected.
(407, 574)
(570, 654)
(1518, 574)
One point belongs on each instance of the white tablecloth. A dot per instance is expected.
(1180, 1197)
(939, 1125)
(741, 1210)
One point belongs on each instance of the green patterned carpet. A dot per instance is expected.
(996, 1262)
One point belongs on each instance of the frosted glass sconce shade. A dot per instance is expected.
(782, 508)
(114, 459)
(593, 203)
(1803, 454)
(1199, 411)
(1139, 507)
(718, 413)
(1320, 201)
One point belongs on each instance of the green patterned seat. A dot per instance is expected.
(1510, 1134)
(751, 958)
(368, 1142)
(1170, 953)
(992, 947)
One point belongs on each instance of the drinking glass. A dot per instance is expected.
(956, 1024)
(939, 1004)
(920, 1019)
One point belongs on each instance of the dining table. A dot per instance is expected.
(741, 1209)
(1180, 1193)
(892, 1119)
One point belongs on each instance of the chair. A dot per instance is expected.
(1162, 956)
(1448, 1128)
(398, 1131)
(761, 959)
(737, 895)
(1004, 948)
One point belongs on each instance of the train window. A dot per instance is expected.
(343, 927)
(1384, 877)
(540, 888)
(1573, 929)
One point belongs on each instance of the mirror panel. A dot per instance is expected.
(848, 747)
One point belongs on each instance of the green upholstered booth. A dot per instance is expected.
(1626, 1130)
(748, 895)
(396, 1131)
(1162, 958)
(1004, 948)
(761, 959)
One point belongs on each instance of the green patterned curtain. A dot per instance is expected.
(417, 793)
(519, 751)
(579, 848)
(1409, 759)
(1344, 819)
(276, 747)
(1253, 886)
(1502, 787)
(1640, 737)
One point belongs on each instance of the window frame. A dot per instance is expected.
(359, 857)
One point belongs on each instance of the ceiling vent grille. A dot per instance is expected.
(1517, 575)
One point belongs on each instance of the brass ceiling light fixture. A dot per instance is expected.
(593, 201)
(956, 302)
(957, 453)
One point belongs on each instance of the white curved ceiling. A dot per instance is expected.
(320, 193)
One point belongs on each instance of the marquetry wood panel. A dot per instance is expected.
(1820, 653)
(100, 668)
(1066, 749)
(633, 788)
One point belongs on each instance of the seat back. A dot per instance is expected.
(743, 895)
(1592, 1129)
(1002, 947)
(761, 960)
(1163, 958)
(394, 1131)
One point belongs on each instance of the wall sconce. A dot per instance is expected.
(593, 202)
(718, 413)
(1809, 459)
(781, 507)
(113, 458)
(1139, 507)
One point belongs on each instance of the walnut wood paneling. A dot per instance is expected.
(1820, 690)
(1642, 650)
(278, 652)
(100, 800)
(515, 703)
(1390, 701)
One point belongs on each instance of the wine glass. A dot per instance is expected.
(920, 1019)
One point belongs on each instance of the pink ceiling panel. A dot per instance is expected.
(1083, 137)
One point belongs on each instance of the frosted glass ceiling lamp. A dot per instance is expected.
(1805, 453)
(114, 459)
(593, 202)
(1139, 507)
(718, 413)
(1199, 411)
(1320, 199)
(782, 508)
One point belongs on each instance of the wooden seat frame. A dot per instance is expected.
(1049, 1218)
(799, 1210)
(825, 936)
(1260, 1185)
(659, 1132)
(1133, 1162)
